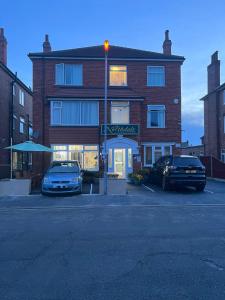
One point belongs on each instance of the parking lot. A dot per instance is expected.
(148, 244)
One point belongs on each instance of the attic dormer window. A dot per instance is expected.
(69, 74)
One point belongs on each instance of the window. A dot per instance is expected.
(152, 153)
(130, 160)
(156, 116)
(68, 74)
(119, 112)
(21, 97)
(87, 155)
(110, 159)
(223, 155)
(224, 124)
(14, 122)
(155, 76)
(74, 113)
(224, 97)
(117, 75)
(14, 89)
(22, 125)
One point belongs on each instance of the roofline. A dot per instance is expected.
(130, 98)
(219, 88)
(33, 56)
(15, 78)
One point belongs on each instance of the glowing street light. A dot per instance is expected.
(106, 49)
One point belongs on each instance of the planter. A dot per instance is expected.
(15, 187)
(115, 186)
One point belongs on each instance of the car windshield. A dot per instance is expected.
(187, 161)
(64, 168)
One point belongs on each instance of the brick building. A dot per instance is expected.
(214, 112)
(16, 113)
(144, 105)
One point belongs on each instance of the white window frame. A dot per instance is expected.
(222, 155)
(153, 152)
(22, 121)
(114, 105)
(72, 125)
(64, 75)
(148, 76)
(21, 97)
(117, 71)
(81, 151)
(151, 108)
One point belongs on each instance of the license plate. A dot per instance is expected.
(191, 171)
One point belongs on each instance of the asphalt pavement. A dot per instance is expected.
(146, 245)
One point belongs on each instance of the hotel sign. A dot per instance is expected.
(130, 129)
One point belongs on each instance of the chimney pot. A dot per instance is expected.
(167, 44)
(3, 47)
(46, 44)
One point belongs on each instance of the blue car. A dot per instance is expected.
(63, 177)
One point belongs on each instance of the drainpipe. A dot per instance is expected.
(11, 110)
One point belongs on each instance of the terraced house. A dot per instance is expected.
(144, 105)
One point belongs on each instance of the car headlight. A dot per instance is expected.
(46, 180)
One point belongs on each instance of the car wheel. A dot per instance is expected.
(200, 188)
(165, 184)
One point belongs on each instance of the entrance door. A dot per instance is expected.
(120, 162)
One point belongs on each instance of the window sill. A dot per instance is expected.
(74, 126)
(155, 86)
(118, 86)
(68, 86)
(156, 127)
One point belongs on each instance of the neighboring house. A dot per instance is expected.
(214, 112)
(144, 105)
(197, 150)
(16, 113)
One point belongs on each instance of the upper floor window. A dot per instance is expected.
(22, 125)
(119, 112)
(21, 97)
(14, 89)
(74, 113)
(155, 76)
(68, 74)
(118, 75)
(156, 116)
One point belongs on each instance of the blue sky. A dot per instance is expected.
(196, 30)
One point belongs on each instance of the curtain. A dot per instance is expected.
(59, 73)
(89, 113)
(70, 112)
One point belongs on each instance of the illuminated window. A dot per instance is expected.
(86, 155)
(119, 112)
(118, 75)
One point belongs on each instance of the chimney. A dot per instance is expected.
(167, 44)
(47, 45)
(3, 47)
(214, 73)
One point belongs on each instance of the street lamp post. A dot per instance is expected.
(106, 49)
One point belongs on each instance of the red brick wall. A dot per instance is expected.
(93, 76)
(5, 102)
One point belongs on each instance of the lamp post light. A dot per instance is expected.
(106, 49)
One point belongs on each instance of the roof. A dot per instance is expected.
(97, 52)
(219, 88)
(14, 77)
(113, 93)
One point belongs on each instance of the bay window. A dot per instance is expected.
(156, 116)
(74, 113)
(152, 153)
(86, 155)
(69, 74)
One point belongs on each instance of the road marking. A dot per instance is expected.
(148, 188)
(209, 191)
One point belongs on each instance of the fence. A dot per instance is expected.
(214, 167)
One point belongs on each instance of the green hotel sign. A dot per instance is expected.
(131, 129)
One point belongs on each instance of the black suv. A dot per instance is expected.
(180, 170)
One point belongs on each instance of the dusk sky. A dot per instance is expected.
(197, 29)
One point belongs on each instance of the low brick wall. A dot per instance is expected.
(214, 167)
